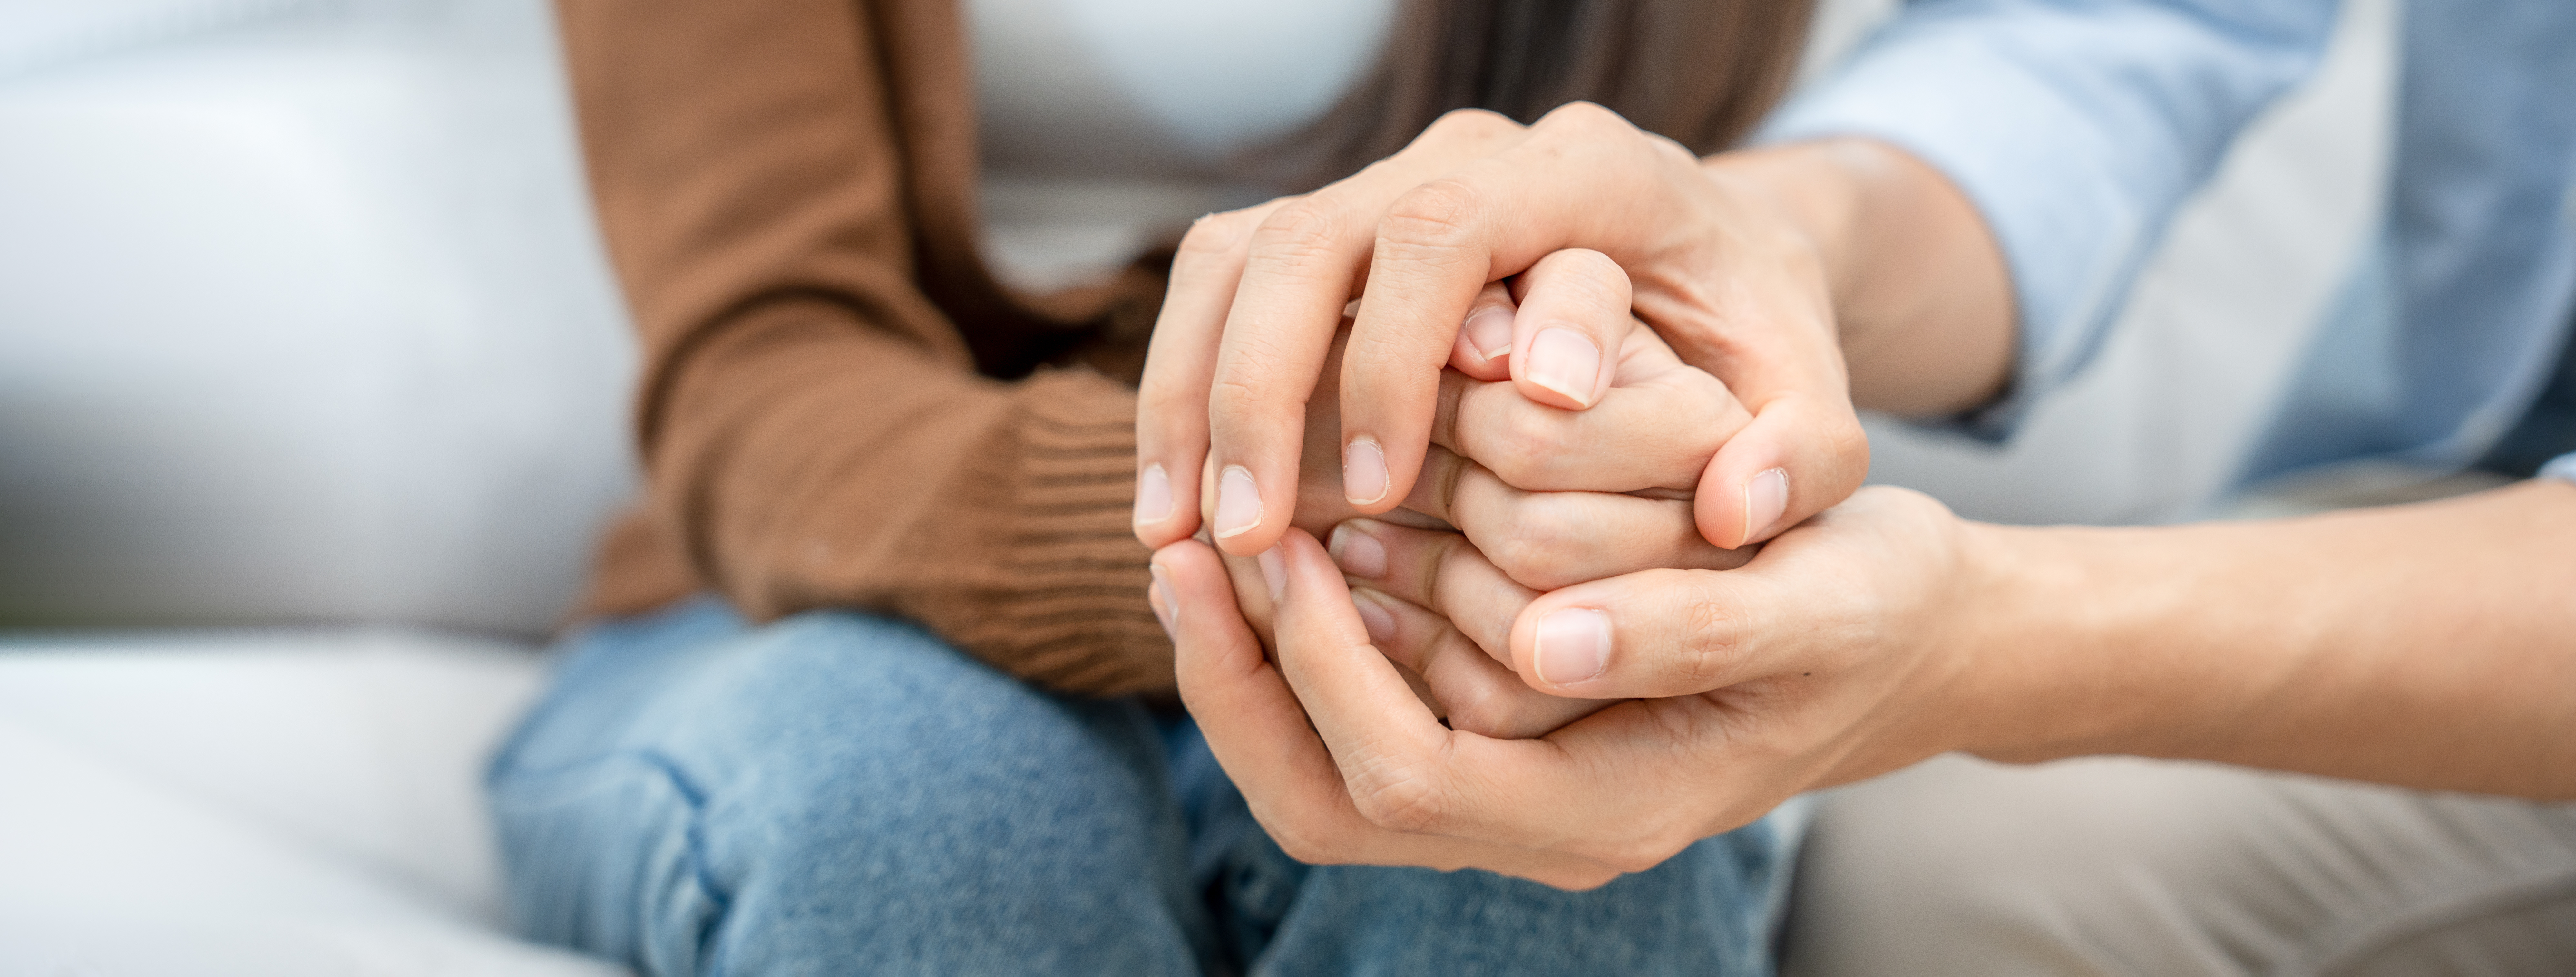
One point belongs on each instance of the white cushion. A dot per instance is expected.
(256, 803)
(305, 318)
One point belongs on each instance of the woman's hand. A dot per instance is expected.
(1256, 295)
(1828, 658)
(1460, 681)
(1261, 735)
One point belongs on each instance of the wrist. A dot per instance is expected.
(1808, 194)
(1967, 686)
(2075, 649)
(2023, 636)
(1825, 192)
(1922, 299)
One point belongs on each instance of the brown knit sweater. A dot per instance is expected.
(786, 187)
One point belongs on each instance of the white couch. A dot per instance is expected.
(312, 382)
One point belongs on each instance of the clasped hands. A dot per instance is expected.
(1551, 542)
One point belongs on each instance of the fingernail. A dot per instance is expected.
(1153, 496)
(1274, 571)
(1238, 503)
(1573, 645)
(1374, 616)
(1765, 498)
(1489, 332)
(1364, 478)
(1166, 609)
(1357, 553)
(1565, 361)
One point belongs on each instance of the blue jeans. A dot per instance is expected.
(841, 793)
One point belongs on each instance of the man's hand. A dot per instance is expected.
(1732, 728)
(2421, 645)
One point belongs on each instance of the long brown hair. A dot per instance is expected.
(1698, 71)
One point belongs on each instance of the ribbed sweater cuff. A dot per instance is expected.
(1067, 608)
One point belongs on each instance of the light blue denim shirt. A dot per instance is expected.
(2078, 127)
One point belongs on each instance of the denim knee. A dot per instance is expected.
(837, 784)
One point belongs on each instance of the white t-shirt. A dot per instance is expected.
(1107, 122)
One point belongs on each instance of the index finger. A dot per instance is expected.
(1180, 362)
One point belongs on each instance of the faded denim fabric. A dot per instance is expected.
(839, 793)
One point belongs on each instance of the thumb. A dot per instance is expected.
(1646, 635)
(1799, 456)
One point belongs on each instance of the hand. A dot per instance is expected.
(1557, 497)
(1447, 604)
(1261, 735)
(1825, 659)
(1318, 508)
(1460, 682)
(1655, 425)
(1717, 270)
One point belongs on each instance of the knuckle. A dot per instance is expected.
(1435, 216)
(1212, 236)
(1235, 401)
(1496, 429)
(1514, 468)
(1477, 711)
(1590, 265)
(1921, 502)
(1851, 444)
(1304, 846)
(1555, 531)
(1707, 649)
(1532, 555)
(1384, 346)
(1470, 123)
(1399, 800)
(1672, 150)
(1301, 232)
(1512, 553)
(1452, 548)
(1535, 451)
(1581, 119)
(1157, 397)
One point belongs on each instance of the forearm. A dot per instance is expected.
(1921, 295)
(2429, 645)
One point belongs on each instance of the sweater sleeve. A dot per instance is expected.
(814, 432)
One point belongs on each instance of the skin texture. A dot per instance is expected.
(1518, 540)
(2423, 646)
(1732, 266)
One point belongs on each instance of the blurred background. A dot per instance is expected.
(312, 390)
